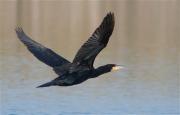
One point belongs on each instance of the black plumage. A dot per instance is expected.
(81, 68)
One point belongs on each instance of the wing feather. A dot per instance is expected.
(99, 39)
(44, 54)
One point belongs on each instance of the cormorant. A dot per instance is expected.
(81, 67)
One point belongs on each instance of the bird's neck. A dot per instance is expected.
(100, 70)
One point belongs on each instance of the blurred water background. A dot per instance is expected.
(145, 40)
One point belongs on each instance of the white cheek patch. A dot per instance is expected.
(115, 68)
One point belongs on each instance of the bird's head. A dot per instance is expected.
(110, 67)
(106, 68)
(113, 67)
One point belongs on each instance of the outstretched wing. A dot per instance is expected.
(44, 54)
(99, 39)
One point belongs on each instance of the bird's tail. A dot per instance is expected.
(46, 84)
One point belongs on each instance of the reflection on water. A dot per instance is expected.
(145, 40)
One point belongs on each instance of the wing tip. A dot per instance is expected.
(20, 33)
(19, 29)
(110, 15)
(109, 20)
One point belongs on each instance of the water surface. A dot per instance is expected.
(145, 40)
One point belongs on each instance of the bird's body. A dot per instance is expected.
(72, 75)
(81, 68)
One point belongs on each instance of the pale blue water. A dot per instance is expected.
(145, 40)
(123, 92)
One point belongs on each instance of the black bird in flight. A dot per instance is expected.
(81, 68)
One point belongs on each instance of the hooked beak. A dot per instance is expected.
(117, 67)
